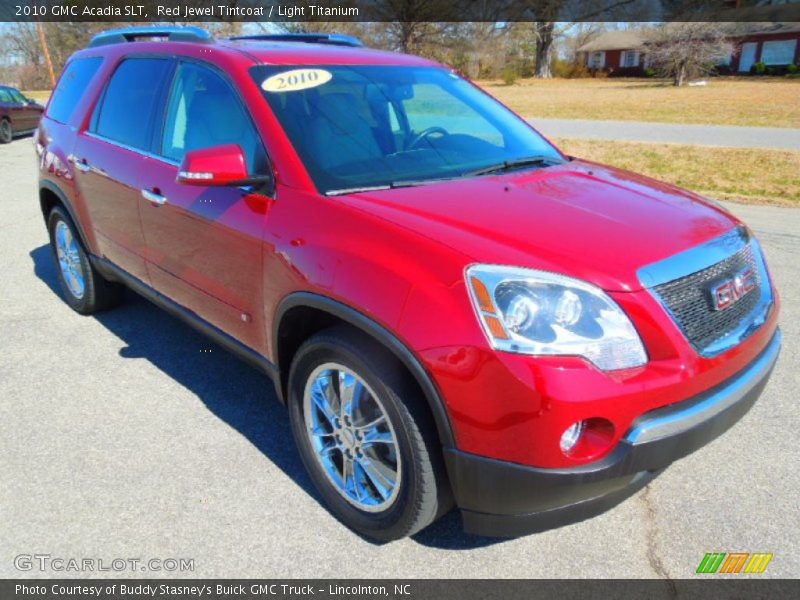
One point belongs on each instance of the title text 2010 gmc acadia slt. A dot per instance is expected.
(454, 312)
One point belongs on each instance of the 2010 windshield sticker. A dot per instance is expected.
(295, 80)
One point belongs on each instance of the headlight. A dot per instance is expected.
(536, 312)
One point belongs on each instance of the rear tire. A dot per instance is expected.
(83, 288)
(6, 132)
(402, 447)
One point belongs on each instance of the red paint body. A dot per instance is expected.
(23, 115)
(218, 165)
(398, 256)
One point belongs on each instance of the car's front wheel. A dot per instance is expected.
(85, 290)
(364, 436)
(6, 132)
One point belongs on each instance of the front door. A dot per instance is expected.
(28, 116)
(109, 159)
(748, 57)
(204, 243)
(14, 111)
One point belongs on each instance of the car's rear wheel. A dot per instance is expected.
(368, 444)
(85, 290)
(6, 131)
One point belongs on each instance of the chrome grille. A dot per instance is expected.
(689, 299)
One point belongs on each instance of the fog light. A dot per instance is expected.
(571, 436)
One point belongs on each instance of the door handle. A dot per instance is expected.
(82, 165)
(154, 198)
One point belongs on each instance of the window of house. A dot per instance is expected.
(778, 52)
(597, 60)
(630, 58)
(130, 101)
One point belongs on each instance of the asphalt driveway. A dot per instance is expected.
(779, 138)
(129, 435)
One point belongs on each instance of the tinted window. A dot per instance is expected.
(17, 96)
(125, 114)
(71, 86)
(204, 111)
(5, 96)
(361, 126)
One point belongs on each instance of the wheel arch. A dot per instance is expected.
(50, 196)
(302, 314)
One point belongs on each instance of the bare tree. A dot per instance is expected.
(683, 51)
(547, 13)
(579, 35)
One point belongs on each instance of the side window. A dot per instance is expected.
(16, 96)
(394, 122)
(204, 111)
(5, 96)
(423, 111)
(71, 86)
(125, 113)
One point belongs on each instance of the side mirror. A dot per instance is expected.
(217, 166)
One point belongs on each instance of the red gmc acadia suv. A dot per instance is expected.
(454, 312)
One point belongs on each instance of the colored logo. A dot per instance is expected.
(726, 293)
(734, 562)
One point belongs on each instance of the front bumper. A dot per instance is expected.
(499, 498)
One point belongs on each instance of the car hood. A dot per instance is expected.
(582, 219)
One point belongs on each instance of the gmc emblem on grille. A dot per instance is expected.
(728, 292)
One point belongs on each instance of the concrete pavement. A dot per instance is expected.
(121, 436)
(705, 135)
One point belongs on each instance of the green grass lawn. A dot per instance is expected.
(756, 101)
(753, 176)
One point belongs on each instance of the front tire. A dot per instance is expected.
(84, 289)
(365, 437)
(6, 132)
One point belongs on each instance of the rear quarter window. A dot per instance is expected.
(131, 100)
(71, 86)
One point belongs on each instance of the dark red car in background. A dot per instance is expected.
(454, 311)
(18, 115)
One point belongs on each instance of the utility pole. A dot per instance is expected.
(46, 52)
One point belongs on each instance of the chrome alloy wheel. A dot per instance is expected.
(351, 437)
(69, 260)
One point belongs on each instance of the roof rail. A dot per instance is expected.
(334, 39)
(131, 34)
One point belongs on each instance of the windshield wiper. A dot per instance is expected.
(416, 182)
(507, 165)
(510, 165)
(356, 190)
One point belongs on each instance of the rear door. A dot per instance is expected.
(110, 157)
(204, 243)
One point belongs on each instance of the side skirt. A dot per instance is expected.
(112, 272)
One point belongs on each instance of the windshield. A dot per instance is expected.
(17, 95)
(367, 126)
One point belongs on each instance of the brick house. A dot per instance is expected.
(774, 44)
(622, 53)
(618, 53)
